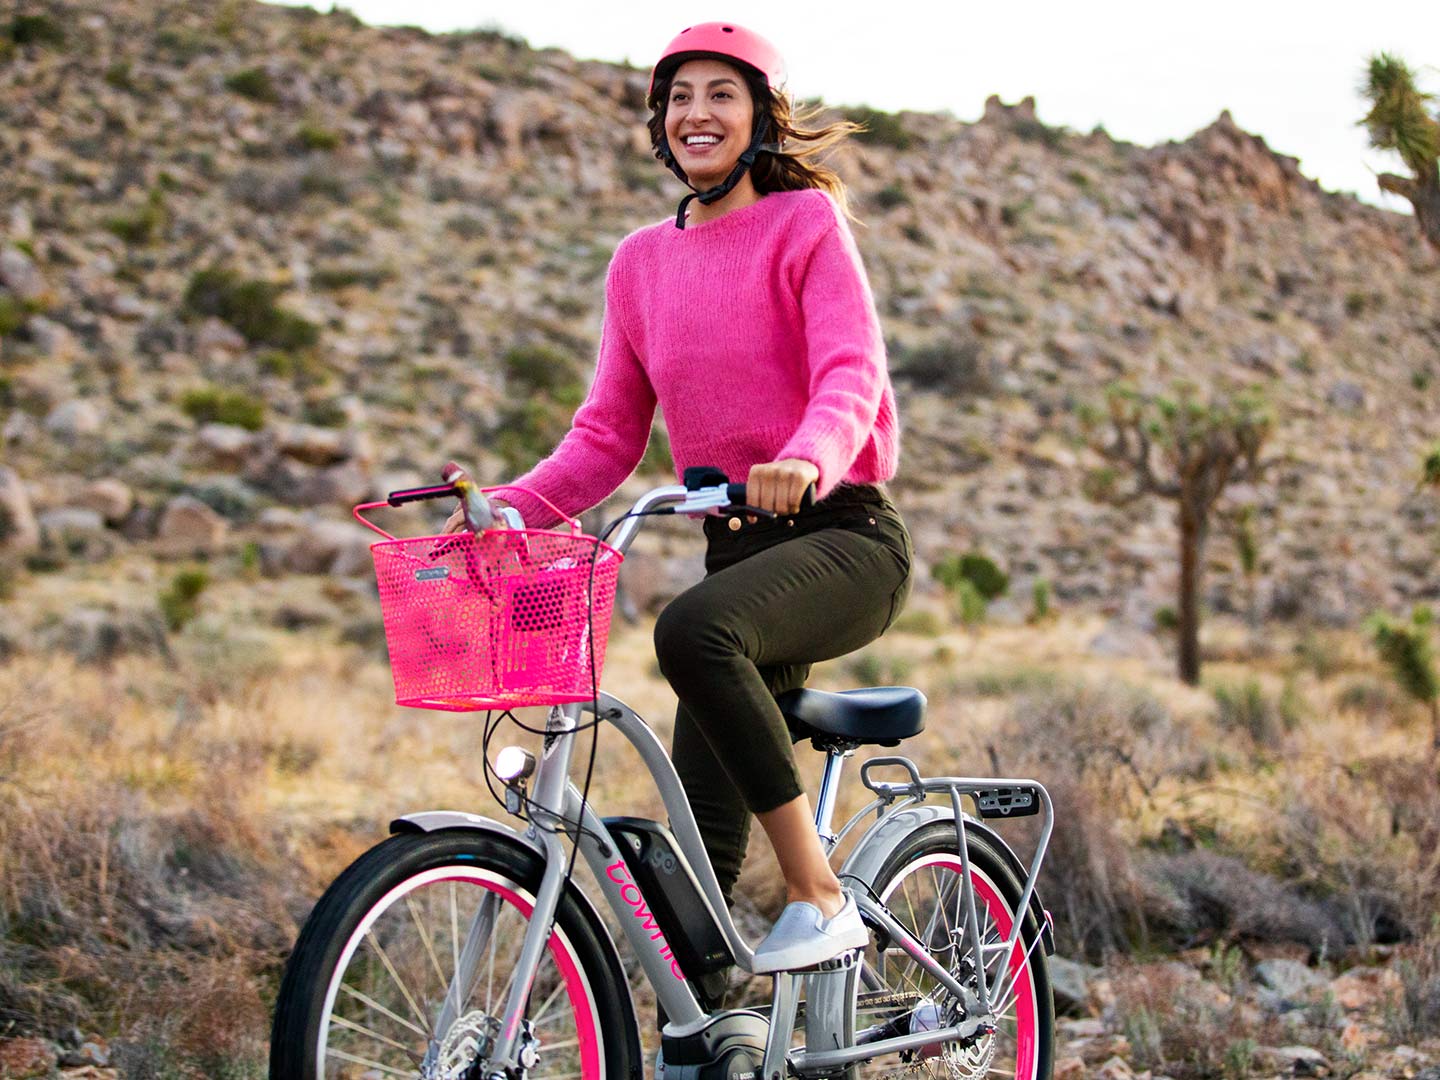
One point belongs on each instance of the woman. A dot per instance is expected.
(750, 321)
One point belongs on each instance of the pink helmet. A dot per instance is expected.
(722, 39)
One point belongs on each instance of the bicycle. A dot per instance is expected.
(461, 948)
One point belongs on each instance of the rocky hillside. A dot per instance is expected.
(260, 263)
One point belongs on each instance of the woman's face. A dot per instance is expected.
(708, 120)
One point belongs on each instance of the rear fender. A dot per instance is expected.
(880, 842)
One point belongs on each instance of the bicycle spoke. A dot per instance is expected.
(395, 975)
(544, 1008)
(356, 1060)
(350, 1025)
(454, 933)
(424, 934)
(372, 1003)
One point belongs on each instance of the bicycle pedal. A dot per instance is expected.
(843, 962)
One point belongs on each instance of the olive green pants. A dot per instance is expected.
(778, 596)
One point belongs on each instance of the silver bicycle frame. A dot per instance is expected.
(556, 807)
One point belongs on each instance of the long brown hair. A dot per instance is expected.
(799, 164)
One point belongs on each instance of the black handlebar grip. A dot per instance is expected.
(409, 495)
(736, 494)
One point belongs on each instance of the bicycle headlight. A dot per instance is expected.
(514, 763)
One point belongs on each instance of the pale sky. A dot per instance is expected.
(1147, 71)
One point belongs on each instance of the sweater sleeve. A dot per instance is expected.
(844, 354)
(608, 436)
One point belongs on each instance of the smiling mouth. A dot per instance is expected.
(699, 142)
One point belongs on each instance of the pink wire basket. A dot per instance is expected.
(499, 620)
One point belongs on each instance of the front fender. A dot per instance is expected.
(435, 820)
(881, 841)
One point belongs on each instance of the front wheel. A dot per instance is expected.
(404, 967)
(919, 884)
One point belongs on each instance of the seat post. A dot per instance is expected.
(835, 756)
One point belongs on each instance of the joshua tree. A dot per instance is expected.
(1182, 448)
(1399, 120)
(1407, 649)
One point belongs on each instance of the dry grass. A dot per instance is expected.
(165, 821)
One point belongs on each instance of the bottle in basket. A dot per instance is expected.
(479, 515)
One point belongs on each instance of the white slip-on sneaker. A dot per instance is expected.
(802, 937)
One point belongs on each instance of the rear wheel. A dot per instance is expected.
(919, 884)
(404, 967)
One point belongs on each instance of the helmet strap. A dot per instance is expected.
(720, 190)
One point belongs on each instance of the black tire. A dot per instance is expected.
(1024, 1044)
(407, 894)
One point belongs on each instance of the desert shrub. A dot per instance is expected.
(973, 579)
(922, 622)
(1039, 600)
(1366, 842)
(531, 427)
(1368, 697)
(891, 196)
(316, 137)
(1099, 750)
(342, 277)
(956, 367)
(327, 412)
(39, 30)
(1201, 895)
(1246, 708)
(211, 404)
(12, 314)
(873, 667)
(1409, 652)
(179, 601)
(467, 226)
(1417, 1015)
(1317, 654)
(156, 926)
(305, 368)
(970, 602)
(250, 307)
(1034, 131)
(253, 83)
(540, 369)
(881, 128)
(1179, 1024)
(144, 225)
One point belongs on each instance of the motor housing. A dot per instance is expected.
(729, 1046)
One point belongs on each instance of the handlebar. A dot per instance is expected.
(692, 499)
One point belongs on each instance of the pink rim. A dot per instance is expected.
(576, 988)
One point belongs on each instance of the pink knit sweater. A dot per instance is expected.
(757, 335)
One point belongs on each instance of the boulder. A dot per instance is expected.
(1293, 1060)
(19, 531)
(74, 419)
(19, 274)
(112, 499)
(66, 523)
(1292, 982)
(1070, 981)
(1366, 988)
(226, 445)
(330, 547)
(217, 336)
(1347, 396)
(52, 340)
(188, 526)
(312, 445)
